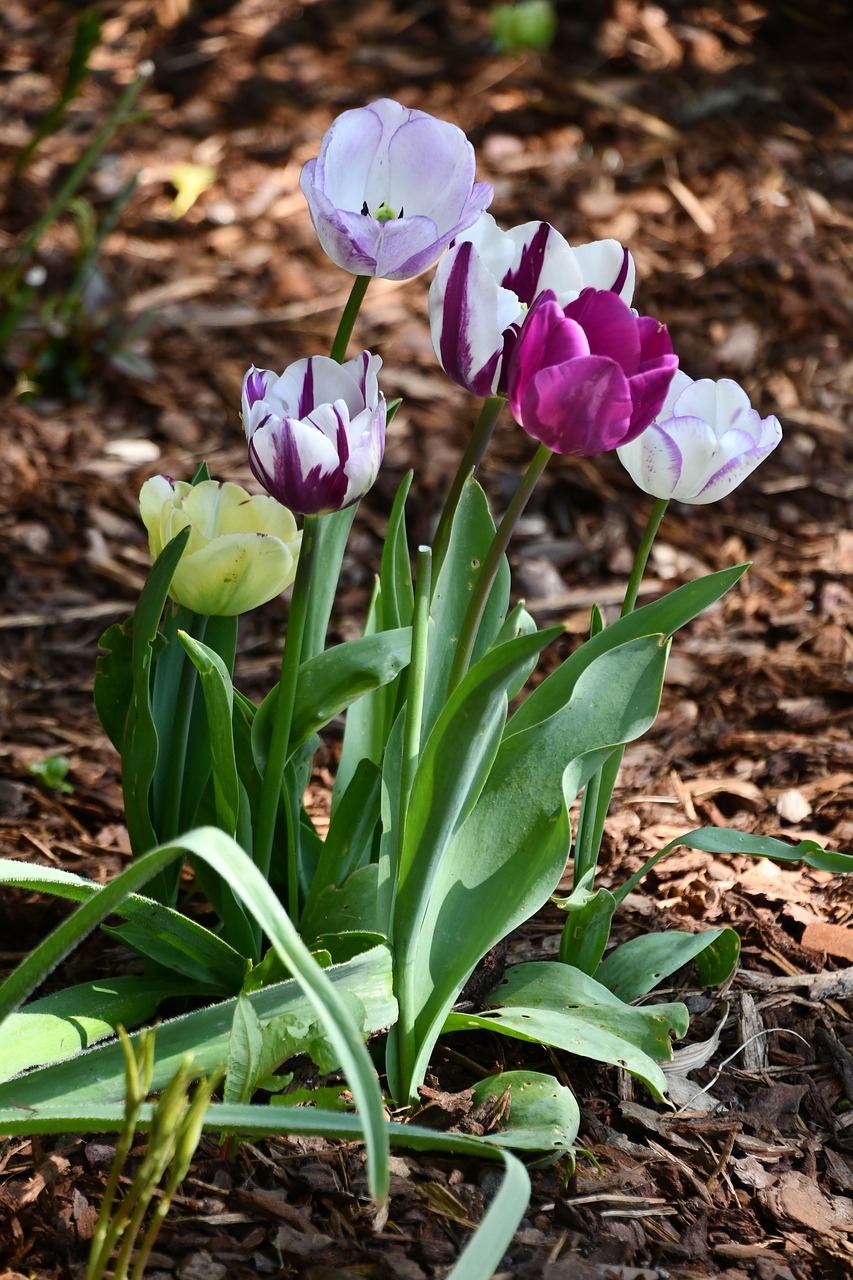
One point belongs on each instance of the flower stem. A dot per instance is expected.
(348, 318)
(599, 789)
(488, 573)
(470, 461)
(283, 719)
(641, 558)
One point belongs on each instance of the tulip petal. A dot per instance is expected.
(234, 573)
(469, 312)
(580, 407)
(611, 328)
(606, 264)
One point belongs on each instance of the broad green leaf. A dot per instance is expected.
(113, 688)
(637, 966)
(332, 681)
(351, 831)
(395, 572)
(353, 907)
(68, 1021)
(365, 731)
(543, 1115)
(662, 616)
(587, 928)
(552, 1003)
(245, 1046)
(481, 1255)
(718, 961)
(234, 865)
(471, 537)
(141, 744)
(220, 638)
(728, 840)
(172, 939)
(218, 697)
(506, 860)
(98, 1074)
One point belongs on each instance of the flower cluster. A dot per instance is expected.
(518, 314)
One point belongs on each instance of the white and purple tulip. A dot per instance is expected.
(490, 278)
(706, 439)
(390, 189)
(586, 378)
(316, 433)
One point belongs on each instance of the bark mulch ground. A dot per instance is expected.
(714, 139)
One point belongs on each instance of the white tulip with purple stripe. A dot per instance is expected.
(317, 432)
(390, 189)
(706, 439)
(485, 285)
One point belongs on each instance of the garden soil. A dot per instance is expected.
(716, 140)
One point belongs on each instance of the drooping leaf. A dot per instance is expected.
(637, 966)
(543, 1115)
(552, 1003)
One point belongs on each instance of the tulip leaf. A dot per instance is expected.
(471, 536)
(395, 573)
(637, 966)
(662, 616)
(351, 830)
(175, 941)
(728, 840)
(332, 681)
(220, 638)
(507, 858)
(219, 699)
(354, 907)
(233, 864)
(479, 1259)
(113, 688)
(62, 1024)
(551, 1003)
(587, 928)
(543, 1115)
(97, 1075)
(365, 731)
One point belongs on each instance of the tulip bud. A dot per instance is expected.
(242, 549)
(317, 433)
(706, 439)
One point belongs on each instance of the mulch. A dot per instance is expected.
(714, 139)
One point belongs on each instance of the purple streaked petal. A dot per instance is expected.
(524, 279)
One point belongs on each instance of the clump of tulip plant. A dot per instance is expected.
(450, 815)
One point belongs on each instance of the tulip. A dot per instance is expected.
(706, 439)
(317, 433)
(588, 377)
(490, 278)
(390, 189)
(242, 549)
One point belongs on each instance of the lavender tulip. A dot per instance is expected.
(706, 439)
(317, 433)
(390, 189)
(588, 377)
(490, 278)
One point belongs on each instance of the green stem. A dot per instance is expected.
(280, 742)
(347, 321)
(179, 736)
(599, 789)
(488, 573)
(641, 558)
(470, 461)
